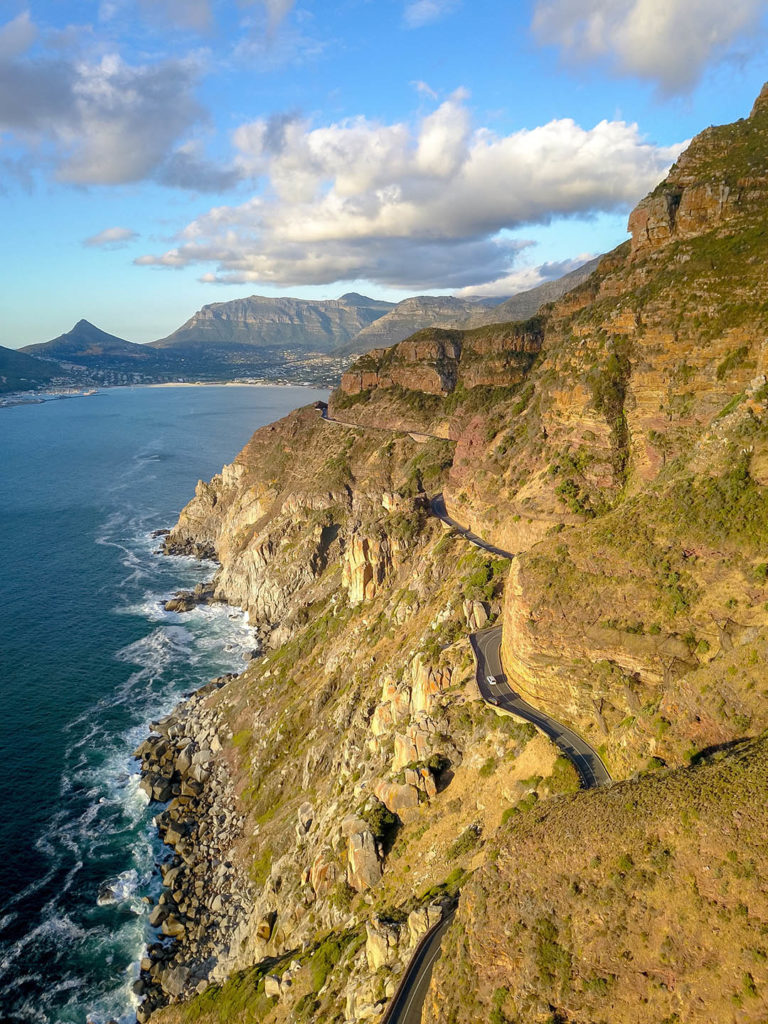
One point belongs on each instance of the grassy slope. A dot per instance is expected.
(642, 903)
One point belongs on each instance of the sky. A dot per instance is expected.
(158, 155)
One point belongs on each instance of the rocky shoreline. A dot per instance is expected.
(204, 894)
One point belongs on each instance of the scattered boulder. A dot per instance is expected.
(272, 986)
(363, 864)
(381, 942)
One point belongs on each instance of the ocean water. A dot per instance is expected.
(88, 657)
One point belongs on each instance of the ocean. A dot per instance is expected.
(88, 657)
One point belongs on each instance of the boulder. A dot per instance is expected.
(322, 874)
(402, 800)
(272, 986)
(420, 921)
(381, 942)
(363, 865)
(174, 981)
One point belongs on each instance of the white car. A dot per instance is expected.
(492, 680)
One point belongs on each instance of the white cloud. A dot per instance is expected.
(669, 42)
(98, 122)
(125, 120)
(410, 206)
(525, 278)
(423, 12)
(111, 238)
(424, 89)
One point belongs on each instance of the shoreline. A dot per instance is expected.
(17, 398)
(204, 896)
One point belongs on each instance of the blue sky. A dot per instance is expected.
(157, 155)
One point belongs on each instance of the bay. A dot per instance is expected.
(87, 657)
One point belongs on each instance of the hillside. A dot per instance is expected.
(351, 780)
(526, 304)
(412, 315)
(416, 314)
(274, 324)
(86, 343)
(21, 372)
(642, 902)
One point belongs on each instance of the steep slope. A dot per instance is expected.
(21, 372)
(86, 344)
(358, 736)
(275, 323)
(350, 778)
(527, 304)
(642, 903)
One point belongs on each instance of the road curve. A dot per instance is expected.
(417, 435)
(407, 1003)
(439, 510)
(585, 759)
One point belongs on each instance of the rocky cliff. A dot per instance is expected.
(283, 323)
(424, 311)
(415, 314)
(617, 444)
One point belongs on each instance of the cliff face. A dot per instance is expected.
(719, 179)
(618, 445)
(258, 321)
(357, 735)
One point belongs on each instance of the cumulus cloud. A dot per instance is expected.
(410, 206)
(525, 278)
(125, 120)
(186, 168)
(101, 122)
(111, 238)
(423, 12)
(669, 42)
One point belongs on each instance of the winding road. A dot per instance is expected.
(486, 646)
(407, 1003)
(586, 760)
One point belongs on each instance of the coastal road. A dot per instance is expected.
(407, 1003)
(487, 648)
(585, 759)
(439, 510)
(417, 435)
(408, 1000)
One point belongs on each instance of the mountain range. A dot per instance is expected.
(282, 337)
(394, 841)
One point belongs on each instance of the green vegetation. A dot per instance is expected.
(564, 777)
(381, 821)
(466, 843)
(731, 361)
(240, 998)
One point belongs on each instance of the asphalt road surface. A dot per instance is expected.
(408, 1001)
(586, 760)
(439, 510)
